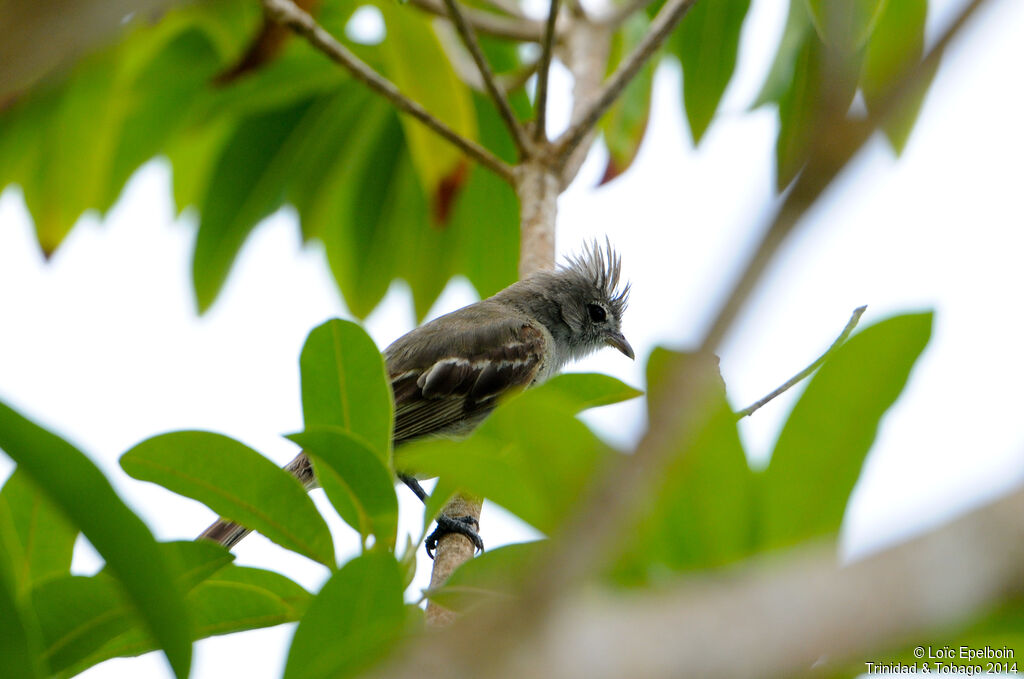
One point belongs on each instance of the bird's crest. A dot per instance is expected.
(603, 268)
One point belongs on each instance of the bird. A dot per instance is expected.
(450, 373)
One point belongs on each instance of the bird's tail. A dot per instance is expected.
(229, 533)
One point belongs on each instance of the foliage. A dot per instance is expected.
(387, 198)
(709, 510)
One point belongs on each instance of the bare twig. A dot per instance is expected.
(803, 374)
(668, 18)
(618, 16)
(497, 95)
(287, 13)
(544, 72)
(495, 25)
(453, 550)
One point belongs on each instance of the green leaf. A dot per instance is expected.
(345, 385)
(846, 24)
(234, 599)
(794, 36)
(625, 123)
(21, 647)
(700, 513)
(535, 471)
(820, 451)
(209, 468)
(80, 616)
(416, 62)
(589, 390)
(798, 112)
(706, 43)
(357, 482)
(247, 184)
(77, 486)
(894, 48)
(44, 538)
(353, 621)
(492, 576)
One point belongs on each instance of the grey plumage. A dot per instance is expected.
(450, 373)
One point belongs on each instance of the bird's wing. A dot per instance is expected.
(449, 374)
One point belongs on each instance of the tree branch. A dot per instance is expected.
(495, 25)
(668, 18)
(544, 72)
(618, 16)
(287, 13)
(453, 550)
(497, 95)
(803, 374)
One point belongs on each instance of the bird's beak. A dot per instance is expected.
(615, 339)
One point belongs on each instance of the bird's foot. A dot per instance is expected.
(466, 526)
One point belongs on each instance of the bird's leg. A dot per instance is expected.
(466, 526)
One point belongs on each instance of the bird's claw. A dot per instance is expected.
(466, 526)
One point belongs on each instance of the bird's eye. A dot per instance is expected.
(597, 313)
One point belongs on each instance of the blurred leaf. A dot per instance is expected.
(794, 37)
(357, 482)
(534, 471)
(44, 537)
(195, 560)
(846, 24)
(492, 576)
(236, 482)
(895, 47)
(798, 112)
(77, 486)
(486, 212)
(353, 621)
(345, 385)
(415, 61)
(625, 123)
(706, 43)
(246, 185)
(21, 648)
(819, 454)
(701, 512)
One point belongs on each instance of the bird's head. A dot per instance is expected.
(582, 303)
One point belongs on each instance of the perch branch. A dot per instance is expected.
(497, 95)
(803, 374)
(495, 25)
(666, 20)
(287, 13)
(544, 72)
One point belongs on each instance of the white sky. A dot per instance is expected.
(102, 343)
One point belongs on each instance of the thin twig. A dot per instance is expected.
(287, 13)
(618, 16)
(516, 79)
(668, 18)
(576, 9)
(803, 374)
(544, 72)
(509, 28)
(510, 7)
(497, 95)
